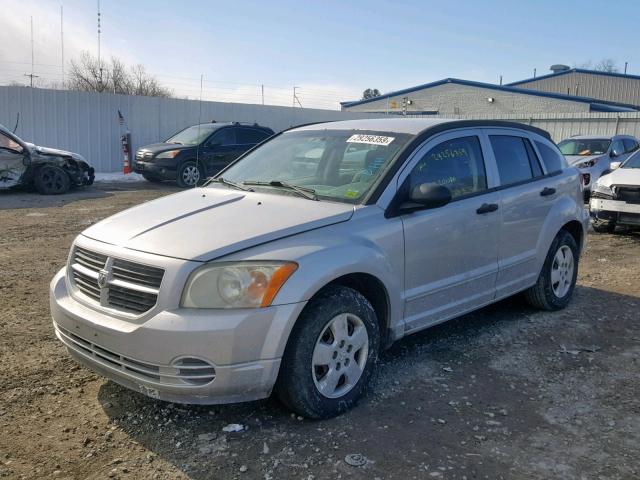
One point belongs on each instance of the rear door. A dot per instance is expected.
(451, 252)
(249, 137)
(527, 194)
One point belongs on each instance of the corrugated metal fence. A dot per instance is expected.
(87, 123)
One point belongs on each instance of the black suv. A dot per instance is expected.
(198, 152)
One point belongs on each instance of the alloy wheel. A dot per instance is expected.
(562, 271)
(190, 175)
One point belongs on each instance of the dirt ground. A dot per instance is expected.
(506, 392)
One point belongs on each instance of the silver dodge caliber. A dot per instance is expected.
(299, 262)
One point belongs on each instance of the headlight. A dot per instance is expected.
(602, 190)
(169, 154)
(236, 285)
(587, 164)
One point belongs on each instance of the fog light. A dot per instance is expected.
(194, 371)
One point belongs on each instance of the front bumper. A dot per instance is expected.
(617, 211)
(159, 170)
(241, 348)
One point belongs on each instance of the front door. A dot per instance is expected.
(12, 161)
(451, 252)
(220, 149)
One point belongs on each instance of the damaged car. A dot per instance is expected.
(616, 197)
(48, 170)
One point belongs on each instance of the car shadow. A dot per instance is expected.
(191, 437)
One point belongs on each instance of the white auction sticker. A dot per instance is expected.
(371, 139)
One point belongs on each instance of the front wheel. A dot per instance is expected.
(190, 174)
(557, 280)
(331, 354)
(52, 180)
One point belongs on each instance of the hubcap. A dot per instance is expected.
(52, 180)
(562, 271)
(340, 355)
(190, 175)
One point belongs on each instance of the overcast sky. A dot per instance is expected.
(331, 49)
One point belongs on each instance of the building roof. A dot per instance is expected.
(575, 70)
(598, 105)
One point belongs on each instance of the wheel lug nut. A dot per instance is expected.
(335, 354)
(349, 348)
(341, 343)
(338, 366)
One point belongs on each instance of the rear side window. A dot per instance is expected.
(515, 158)
(224, 137)
(629, 145)
(456, 164)
(550, 157)
(251, 136)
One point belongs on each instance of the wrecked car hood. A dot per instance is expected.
(206, 223)
(621, 176)
(46, 151)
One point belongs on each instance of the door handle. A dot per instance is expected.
(547, 191)
(487, 208)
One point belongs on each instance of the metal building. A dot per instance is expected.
(612, 87)
(453, 96)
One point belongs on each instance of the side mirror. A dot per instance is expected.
(426, 196)
(615, 165)
(615, 153)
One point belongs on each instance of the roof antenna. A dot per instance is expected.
(17, 122)
(199, 122)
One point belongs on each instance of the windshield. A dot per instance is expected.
(192, 135)
(632, 162)
(340, 165)
(584, 147)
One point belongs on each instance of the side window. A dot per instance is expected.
(551, 158)
(250, 136)
(224, 137)
(8, 143)
(630, 145)
(617, 146)
(533, 158)
(513, 159)
(457, 164)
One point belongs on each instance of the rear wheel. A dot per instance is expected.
(557, 280)
(331, 354)
(190, 174)
(52, 180)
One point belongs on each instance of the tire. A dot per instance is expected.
(556, 282)
(305, 380)
(190, 174)
(604, 226)
(52, 180)
(151, 178)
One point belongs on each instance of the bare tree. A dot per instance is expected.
(606, 65)
(89, 74)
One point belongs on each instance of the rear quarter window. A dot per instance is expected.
(552, 159)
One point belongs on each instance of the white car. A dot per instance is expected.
(615, 198)
(592, 155)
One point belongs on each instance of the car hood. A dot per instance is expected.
(164, 147)
(621, 176)
(206, 223)
(46, 151)
(575, 159)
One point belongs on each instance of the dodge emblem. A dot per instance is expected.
(102, 278)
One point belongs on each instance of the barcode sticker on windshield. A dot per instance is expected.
(372, 139)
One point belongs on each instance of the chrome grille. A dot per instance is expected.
(628, 194)
(143, 155)
(115, 283)
(190, 371)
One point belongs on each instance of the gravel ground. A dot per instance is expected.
(506, 392)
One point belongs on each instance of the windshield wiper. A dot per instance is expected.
(230, 183)
(309, 193)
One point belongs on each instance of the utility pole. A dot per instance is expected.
(62, 44)
(625, 67)
(500, 79)
(262, 90)
(31, 75)
(534, 73)
(99, 60)
(295, 98)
